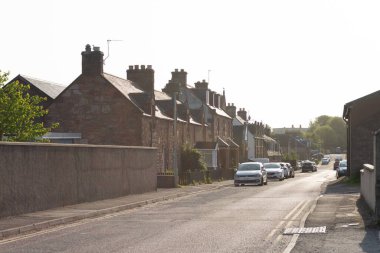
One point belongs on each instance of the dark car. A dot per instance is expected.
(342, 169)
(308, 166)
(336, 164)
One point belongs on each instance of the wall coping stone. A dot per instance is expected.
(369, 167)
(5, 143)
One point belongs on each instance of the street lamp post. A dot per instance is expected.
(175, 165)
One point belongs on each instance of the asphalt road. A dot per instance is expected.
(231, 219)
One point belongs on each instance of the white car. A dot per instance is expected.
(250, 173)
(274, 171)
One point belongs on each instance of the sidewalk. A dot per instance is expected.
(26, 223)
(349, 223)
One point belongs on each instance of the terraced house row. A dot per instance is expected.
(100, 108)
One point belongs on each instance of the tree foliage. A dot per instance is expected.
(191, 159)
(327, 132)
(20, 112)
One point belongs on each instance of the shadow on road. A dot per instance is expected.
(371, 240)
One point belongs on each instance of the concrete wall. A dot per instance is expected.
(368, 185)
(37, 177)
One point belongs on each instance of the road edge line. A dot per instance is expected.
(293, 242)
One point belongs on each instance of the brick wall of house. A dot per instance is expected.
(93, 107)
(362, 131)
(159, 133)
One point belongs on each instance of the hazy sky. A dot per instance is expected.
(286, 62)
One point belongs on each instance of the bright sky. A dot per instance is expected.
(285, 62)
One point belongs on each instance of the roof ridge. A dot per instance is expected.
(41, 80)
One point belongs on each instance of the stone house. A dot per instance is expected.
(362, 117)
(207, 107)
(108, 110)
(41, 88)
(252, 137)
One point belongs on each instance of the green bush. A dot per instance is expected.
(191, 159)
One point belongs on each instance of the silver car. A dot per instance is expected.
(274, 171)
(250, 173)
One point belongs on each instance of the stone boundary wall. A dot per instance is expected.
(40, 176)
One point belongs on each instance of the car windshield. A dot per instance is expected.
(249, 166)
(343, 164)
(272, 166)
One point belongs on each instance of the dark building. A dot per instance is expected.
(362, 117)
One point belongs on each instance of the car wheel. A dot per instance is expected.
(236, 185)
(266, 181)
(262, 181)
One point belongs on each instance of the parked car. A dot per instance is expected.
(342, 169)
(286, 170)
(262, 160)
(250, 173)
(336, 164)
(291, 169)
(325, 161)
(299, 165)
(274, 171)
(309, 166)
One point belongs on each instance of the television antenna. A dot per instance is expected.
(108, 52)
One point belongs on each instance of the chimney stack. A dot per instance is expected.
(143, 77)
(242, 113)
(179, 77)
(92, 61)
(231, 110)
(211, 98)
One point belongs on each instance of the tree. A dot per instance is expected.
(191, 159)
(20, 113)
(327, 132)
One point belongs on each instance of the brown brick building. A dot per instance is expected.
(105, 109)
(363, 127)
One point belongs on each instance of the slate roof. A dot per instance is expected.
(222, 143)
(361, 99)
(126, 87)
(240, 119)
(159, 96)
(232, 143)
(51, 89)
(219, 112)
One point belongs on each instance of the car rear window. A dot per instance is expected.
(247, 166)
(272, 165)
(343, 164)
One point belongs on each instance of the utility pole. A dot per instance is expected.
(175, 165)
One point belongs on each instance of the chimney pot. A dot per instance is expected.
(182, 70)
(136, 66)
(92, 61)
(130, 67)
(176, 70)
(142, 66)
